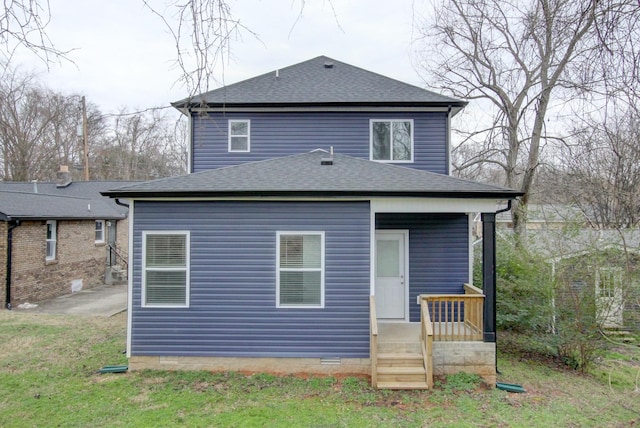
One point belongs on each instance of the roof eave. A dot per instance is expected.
(27, 217)
(181, 194)
(185, 106)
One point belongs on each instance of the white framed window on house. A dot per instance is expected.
(239, 136)
(391, 140)
(100, 230)
(300, 269)
(52, 227)
(165, 268)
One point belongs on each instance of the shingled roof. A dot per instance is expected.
(320, 81)
(314, 174)
(47, 201)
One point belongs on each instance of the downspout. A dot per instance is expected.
(12, 225)
(495, 285)
(448, 141)
(122, 204)
(504, 210)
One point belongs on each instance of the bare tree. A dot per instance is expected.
(23, 23)
(24, 120)
(600, 171)
(39, 128)
(203, 31)
(524, 58)
(139, 146)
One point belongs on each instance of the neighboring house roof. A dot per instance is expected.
(557, 245)
(305, 175)
(320, 81)
(47, 201)
(547, 213)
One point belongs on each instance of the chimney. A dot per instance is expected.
(35, 186)
(64, 176)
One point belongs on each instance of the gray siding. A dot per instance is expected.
(283, 134)
(233, 302)
(438, 253)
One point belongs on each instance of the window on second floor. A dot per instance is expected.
(392, 140)
(100, 231)
(239, 136)
(51, 240)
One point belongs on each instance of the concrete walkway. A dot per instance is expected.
(102, 301)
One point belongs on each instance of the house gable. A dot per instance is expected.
(320, 103)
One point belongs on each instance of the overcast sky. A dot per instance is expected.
(124, 56)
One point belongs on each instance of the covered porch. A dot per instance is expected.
(426, 318)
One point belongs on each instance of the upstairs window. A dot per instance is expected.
(51, 240)
(165, 269)
(99, 231)
(239, 132)
(392, 140)
(300, 269)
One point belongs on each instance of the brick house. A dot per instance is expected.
(57, 238)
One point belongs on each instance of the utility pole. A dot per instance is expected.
(85, 140)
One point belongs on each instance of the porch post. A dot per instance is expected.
(489, 275)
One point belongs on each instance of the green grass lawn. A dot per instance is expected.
(48, 378)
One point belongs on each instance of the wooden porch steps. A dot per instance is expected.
(403, 385)
(401, 370)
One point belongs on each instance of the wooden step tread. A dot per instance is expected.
(402, 385)
(418, 370)
(399, 356)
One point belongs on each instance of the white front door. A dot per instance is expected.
(390, 286)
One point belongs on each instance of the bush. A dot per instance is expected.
(554, 316)
(524, 290)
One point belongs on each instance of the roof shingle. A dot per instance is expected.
(321, 80)
(304, 175)
(78, 200)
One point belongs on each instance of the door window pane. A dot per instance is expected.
(387, 258)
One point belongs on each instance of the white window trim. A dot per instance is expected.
(54, 239)
(278, 269)
(101, 241)
(371, 121)
(248, 122)
(187, 268)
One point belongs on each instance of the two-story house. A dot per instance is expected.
(319, 231)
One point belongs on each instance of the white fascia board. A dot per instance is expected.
(433, 205)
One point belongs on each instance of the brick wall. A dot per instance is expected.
(78, 257)
(122, 236)
(3, 261)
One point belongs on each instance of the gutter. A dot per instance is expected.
(142, 194)
(12, 225)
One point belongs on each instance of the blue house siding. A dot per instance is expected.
(283, 134)
(233, 292)
(438, 253)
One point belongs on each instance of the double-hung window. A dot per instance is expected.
(300, 269)
(392, 140)
(165, 268)
(100, 231)
(51, 240)
(239, 136)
